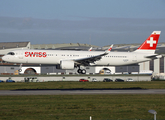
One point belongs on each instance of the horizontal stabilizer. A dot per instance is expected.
(154, 56)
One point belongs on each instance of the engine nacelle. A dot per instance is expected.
(66, 64)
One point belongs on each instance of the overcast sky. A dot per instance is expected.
(96, 22)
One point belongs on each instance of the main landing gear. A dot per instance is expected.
(81, 71)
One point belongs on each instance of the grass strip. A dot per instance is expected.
(83, 85)
(80, 107)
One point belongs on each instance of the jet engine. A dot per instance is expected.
(66, 64)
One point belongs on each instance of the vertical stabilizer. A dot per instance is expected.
(149, 45)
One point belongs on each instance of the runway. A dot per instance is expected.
(81, 92)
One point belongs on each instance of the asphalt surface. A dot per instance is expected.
(81, 92)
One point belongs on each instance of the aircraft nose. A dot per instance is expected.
(4, 58)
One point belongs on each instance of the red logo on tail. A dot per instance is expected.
(151, 42)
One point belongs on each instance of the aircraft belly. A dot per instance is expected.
(16, 59)
(117, 62)
(114, 62)
(41, 60)
(109, 62)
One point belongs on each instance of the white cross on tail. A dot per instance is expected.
(151, 41)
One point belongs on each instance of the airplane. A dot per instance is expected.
(90, 49)
(73, 59)
(110, 48)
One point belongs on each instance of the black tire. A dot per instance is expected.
(83, 71)
(79, 71)
(20, 70)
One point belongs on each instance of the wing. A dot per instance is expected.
(110, 48)
(87, 60)
(90, 49)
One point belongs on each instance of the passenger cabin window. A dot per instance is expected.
(11, 53)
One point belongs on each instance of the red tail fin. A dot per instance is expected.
(150, 43)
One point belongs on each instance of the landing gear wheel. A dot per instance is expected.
(83, 71)
(19, 70)
(79, 71)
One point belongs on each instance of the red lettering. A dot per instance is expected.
(35, 54)
(26, 54)
(44, 54)
(30, 54)
(40, 54)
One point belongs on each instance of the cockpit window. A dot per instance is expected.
(11, 53)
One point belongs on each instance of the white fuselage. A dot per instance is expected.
(55, 56)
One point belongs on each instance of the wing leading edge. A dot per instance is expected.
(87, 60)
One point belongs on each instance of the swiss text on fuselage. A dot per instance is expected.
(35, 54)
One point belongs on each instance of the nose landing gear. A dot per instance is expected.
(20, 68)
